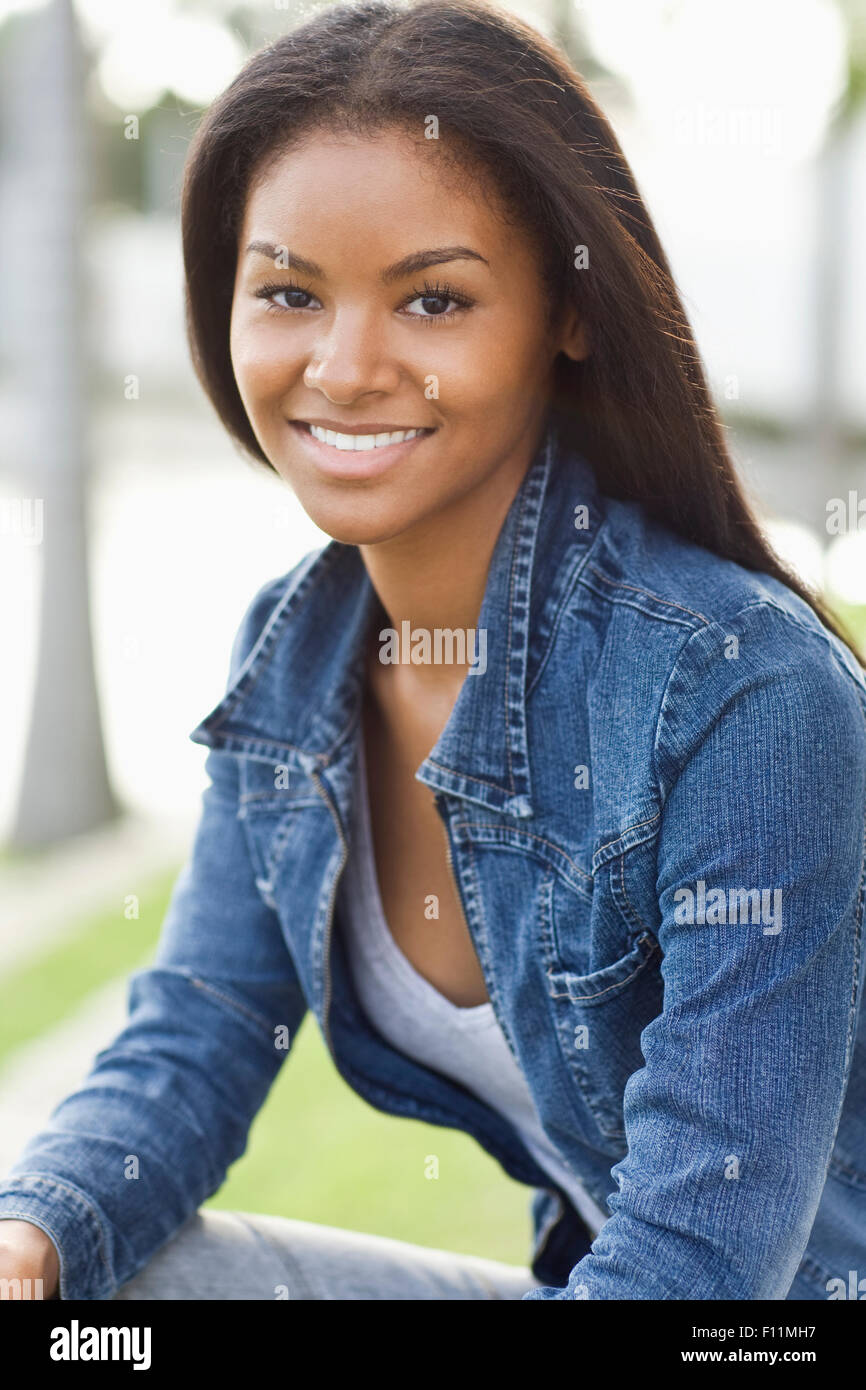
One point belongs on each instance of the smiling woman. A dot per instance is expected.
(476, 886)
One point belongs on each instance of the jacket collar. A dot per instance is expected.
(296, 699)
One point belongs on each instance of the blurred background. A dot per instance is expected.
(133, 534)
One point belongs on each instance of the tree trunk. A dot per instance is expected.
(65, 786)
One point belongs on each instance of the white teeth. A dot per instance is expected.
(361, 441)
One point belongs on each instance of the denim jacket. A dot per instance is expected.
(653, 799)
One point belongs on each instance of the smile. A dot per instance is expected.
(358, 457)
(351, 442)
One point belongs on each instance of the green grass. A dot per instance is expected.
(853, 615)
(317, 1151)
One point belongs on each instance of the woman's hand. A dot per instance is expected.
(27, 1253)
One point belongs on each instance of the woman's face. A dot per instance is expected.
(383, 293)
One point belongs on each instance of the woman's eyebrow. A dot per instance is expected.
(420, 260)
(408, 265)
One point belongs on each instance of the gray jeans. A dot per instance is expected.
(239, 1255)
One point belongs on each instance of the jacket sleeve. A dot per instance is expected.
(166, 1108)
(761, 765)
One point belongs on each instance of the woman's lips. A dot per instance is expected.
(354, 463)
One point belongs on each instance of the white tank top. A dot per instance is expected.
(465, 1044)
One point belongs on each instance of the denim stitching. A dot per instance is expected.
(618, 984)
(636, 915)
(467, 777)
(490, 825)
(38, 1179)
(663, 602)
(208, 988)
(578, 566)
(621, 836)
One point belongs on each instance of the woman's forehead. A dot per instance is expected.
(388, 184)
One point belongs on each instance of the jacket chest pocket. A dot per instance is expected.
(600, 1015)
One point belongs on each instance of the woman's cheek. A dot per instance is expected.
(261, 368)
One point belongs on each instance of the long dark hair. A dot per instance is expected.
(510, 104)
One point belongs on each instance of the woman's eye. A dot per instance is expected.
(434, 305)
(296, 298)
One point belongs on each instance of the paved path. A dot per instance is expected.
(43, 900)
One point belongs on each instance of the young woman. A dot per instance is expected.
(542, 785)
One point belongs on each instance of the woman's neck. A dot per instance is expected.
(433, 579)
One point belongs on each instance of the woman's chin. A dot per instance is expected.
(352, 529)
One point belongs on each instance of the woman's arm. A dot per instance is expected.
(761, 763)
(167, 1106)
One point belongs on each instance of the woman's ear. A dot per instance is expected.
(574, 336)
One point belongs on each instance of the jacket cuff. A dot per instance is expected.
(72, 1223)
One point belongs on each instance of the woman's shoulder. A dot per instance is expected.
(705, 604)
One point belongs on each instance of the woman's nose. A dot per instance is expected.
(351, 355)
